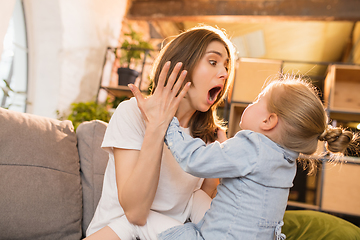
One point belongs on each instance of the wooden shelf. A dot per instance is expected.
(119, 91)
(344, 115)
(303, 205)
(236, 110)
(341, 90)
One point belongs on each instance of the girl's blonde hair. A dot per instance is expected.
(298, 106)
(189, 47)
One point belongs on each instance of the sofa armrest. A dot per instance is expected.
(93, 161)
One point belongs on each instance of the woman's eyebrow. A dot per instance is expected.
(217, 53)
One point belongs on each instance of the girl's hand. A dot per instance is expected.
(159, 108)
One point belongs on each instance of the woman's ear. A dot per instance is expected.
(270, 122)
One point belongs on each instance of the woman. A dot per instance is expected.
(145, 191)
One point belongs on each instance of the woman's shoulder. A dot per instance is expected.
(127, 107)
(126, 127)
(130, 103)
(127, 113)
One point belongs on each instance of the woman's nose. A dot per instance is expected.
(223, 74)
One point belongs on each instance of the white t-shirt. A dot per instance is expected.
(173, 197)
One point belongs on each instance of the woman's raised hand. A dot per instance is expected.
(159, 108)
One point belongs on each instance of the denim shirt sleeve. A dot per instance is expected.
(236, 157)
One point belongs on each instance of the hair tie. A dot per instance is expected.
(323, 135)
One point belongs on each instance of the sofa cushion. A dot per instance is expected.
(93, 164)
(40, 184)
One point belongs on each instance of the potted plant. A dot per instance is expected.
(133, 49)
(87, 111)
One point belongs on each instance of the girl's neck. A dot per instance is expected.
(275, 134)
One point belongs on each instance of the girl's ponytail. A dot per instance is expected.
(338, 139)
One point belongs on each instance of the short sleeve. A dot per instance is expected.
(126, 128)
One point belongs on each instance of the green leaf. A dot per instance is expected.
(8, 85)
(87, 111)
(133, 40)
(5, 91)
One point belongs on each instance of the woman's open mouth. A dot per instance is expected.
(213, 93)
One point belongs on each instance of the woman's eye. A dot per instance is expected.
(213, 62)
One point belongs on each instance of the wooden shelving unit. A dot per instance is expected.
(341, 92)
(121, 91)
(341, 178)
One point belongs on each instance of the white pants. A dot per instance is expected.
(157, 222)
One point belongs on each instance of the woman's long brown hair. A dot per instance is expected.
(189, 47)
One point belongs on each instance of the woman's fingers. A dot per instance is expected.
(173, 76)
(179, 83)
(173, 83)
(182, 93)
(136, 92)
(162, 77)
(162, 105)
(170, 86)
(141, 101)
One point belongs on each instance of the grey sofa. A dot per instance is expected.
(50, 176)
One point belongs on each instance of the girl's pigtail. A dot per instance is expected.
(338, 139)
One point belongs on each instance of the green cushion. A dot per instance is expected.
(307, 224)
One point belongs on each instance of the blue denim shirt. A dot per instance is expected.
(256, 175)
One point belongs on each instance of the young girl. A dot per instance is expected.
(258, 164)
(145, 191)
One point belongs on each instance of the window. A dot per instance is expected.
(13, 64)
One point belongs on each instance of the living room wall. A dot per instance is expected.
(67, 43)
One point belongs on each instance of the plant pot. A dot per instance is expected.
(126, 76)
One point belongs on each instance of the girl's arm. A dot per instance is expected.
(210, 184)
(137, 172)
(236, 157)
